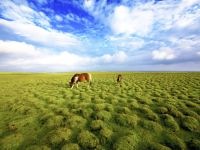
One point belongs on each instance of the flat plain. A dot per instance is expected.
(151, 110)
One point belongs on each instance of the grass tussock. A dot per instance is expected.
(190, 123)
(103, 115)
(127, 120)
(55, 121)
(149, 114)
(106, 135)
(97, 125)
(12, 141)
(162, 110)
(157, 146)
(87, 140)
(170, 122)
(174, 142)
(38, 147)
(150, 125)
(59, 135)
(71, 146)
(76, 121)
(129, 142)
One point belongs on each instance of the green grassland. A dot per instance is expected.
(153, 111)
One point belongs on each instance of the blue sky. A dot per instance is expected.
(99, 35)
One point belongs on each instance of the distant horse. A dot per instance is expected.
(80, 78)
(119, 79)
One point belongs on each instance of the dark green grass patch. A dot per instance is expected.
(194, 144)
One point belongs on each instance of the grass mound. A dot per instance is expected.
(157, 146)
(170, 122)
(174, 142)
(86, 113)
(38, 147)
(87, 140)
(149, 114)
(99, 107)
(162, 110)
(103, 115)
(127, 120)
(190, 123)
(124, 110)
(106, 135)
(76, 121)
(59, 135)
(129, 142)
(97, 124)
(71, 146)
(133, 105)
(55, 121)
(12, 141)
(151, 125)
(173, 111)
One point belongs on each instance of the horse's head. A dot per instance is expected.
(70, 84)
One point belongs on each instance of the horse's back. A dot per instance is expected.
(85, 77)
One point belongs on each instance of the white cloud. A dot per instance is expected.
(18, 49)
(118, 57)
(140, 18)
(58, 18)
(127, 42)
(189, 43)
(34, 33)
(131, 21)
(23, 55)
(34, 25)
(23, 13)
(89, 4)
(179, 14)
(163, 53)
(198, 53)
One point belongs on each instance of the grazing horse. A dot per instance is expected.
(80, 78)
(119, 79)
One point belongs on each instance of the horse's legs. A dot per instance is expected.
(77, 85)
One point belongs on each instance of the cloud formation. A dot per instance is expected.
(99, 35)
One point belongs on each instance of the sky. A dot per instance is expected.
(99, 35)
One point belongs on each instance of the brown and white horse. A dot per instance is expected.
(80, 78)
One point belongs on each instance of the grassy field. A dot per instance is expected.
(154, 111)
